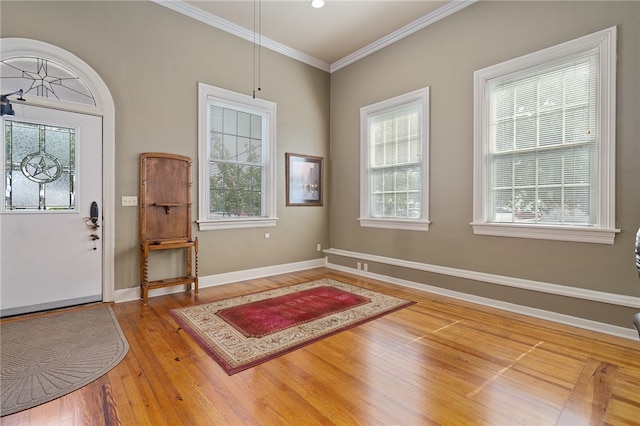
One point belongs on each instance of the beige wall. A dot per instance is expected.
(152, 59)
(444, 57)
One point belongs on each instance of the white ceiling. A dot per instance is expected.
(328, 38)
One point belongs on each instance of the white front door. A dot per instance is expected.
(49, 254)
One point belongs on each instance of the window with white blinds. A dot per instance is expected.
(394, 136)
(542, 154)
(236, 160)
(544, 145)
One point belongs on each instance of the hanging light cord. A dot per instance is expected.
(257, 49)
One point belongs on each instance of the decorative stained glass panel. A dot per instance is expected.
(43, 78)
(40, 167)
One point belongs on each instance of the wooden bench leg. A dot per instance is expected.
(195, 281)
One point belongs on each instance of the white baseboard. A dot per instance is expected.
(129, 294)
(537, 286)
(133, 293)
(626, 333)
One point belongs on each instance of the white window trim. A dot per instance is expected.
(365, 219)
(604, 230)
(242, 101)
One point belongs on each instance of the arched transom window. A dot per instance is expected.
(43, 78)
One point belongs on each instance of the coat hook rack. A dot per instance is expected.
(165, 182)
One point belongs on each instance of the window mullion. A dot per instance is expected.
(396, 126)
(563, 158)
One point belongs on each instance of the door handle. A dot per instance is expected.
(94, 213)
(92, 222)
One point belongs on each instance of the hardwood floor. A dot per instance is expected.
(440, 361)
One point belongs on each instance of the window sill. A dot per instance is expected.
(235, 223)
(547, 232)
(408, 225)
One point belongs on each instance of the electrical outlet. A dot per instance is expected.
(359, 265)
(267, 235)
(365, 267)
(319, 247)
(129, 200)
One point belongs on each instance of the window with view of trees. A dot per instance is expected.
(544, 143)
(236, 160)
(394, 159)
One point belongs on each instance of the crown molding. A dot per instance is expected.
(186, 9)
(222, 24)
(431, 18)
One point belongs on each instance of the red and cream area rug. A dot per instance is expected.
(244, 331)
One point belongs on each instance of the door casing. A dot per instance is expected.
(104, 107)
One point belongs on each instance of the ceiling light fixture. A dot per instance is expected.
(317, 3)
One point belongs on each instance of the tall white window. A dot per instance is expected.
(236, 160)
(545, 143)
(394, 162)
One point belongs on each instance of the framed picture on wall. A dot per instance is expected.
(304, 180)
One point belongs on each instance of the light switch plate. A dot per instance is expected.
(129, 200)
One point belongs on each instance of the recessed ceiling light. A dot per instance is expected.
(317, 3)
